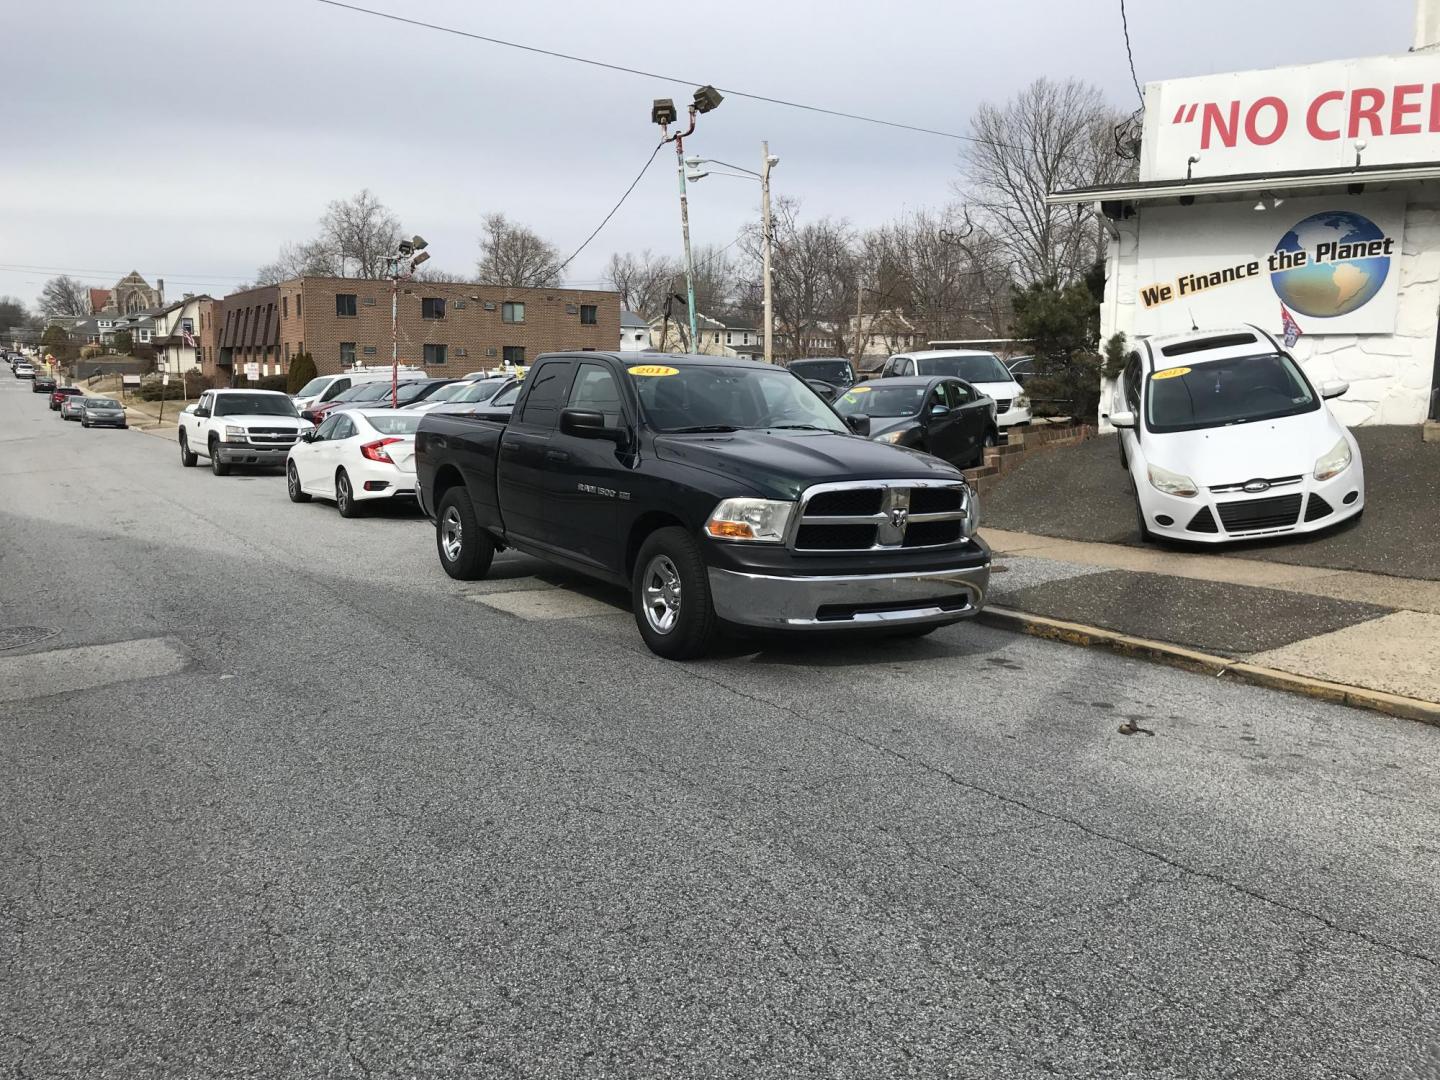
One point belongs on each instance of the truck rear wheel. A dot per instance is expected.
(187, 458)
(465, 549)
(671, 596)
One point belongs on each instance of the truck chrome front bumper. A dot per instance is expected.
(848, 601)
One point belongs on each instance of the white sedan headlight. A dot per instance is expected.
(234, 434)
(1172, 483)
(761, 520)
(1335, 462)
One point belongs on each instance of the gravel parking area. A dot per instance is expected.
(1079, 493)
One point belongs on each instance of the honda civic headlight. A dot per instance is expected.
(1335, 462)
(1172, 483)
(891, 437)
(762, 520)
(234, 434)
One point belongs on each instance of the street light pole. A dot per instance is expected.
(685, 232)
(411, 253)
(769, 240)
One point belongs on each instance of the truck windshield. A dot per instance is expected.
(835, 372)
(696, 397)
(254, 405)
(1238, 390)
(980, 367)
(881, 400)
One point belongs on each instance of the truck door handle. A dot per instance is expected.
(556, 455)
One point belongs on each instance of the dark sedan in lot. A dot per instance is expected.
(43, 384)
(102, 412)
(942, 416)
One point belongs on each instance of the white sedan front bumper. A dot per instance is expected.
(1291, 505)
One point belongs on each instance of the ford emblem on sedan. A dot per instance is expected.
(1254, 487)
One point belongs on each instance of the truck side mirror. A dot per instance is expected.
(859, 423)
(588, 424)
(201, 411)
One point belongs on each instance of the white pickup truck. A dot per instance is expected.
(239, 427)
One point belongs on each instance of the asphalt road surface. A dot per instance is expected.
(279, 799)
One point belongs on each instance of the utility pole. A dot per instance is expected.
(662, 112)
(769, 242)
(411, 254)
(859, 322)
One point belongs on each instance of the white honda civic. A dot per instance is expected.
(355, 457)
(1225, 438)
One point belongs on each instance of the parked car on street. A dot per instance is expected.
(324, 388)
(835, 370)
(355, 457)
(718, 491)
(945, 417)
(982, 370)
(102, 412)
(239, 427)
(60, 393)
(495, 407)
(70, 408)
(1224, 437)
(43, 384)
(24, 370)
(407, 393)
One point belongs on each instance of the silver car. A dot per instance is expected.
(102, 412)
(71, 407)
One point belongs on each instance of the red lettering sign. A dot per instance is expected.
(1365, 104)
(1312, 116)
(1281, 119)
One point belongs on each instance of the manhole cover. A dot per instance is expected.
(13, 637)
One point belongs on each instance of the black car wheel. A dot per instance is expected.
(1146, 536)
(992, 440)
(292, 484)
(344, 496)
(465, 549)
(84, 422)
(187, 459)
(218, 467)
(670, 595)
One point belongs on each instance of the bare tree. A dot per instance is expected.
(511, 254)
(643, 281)
(65, 296)
(312, 258)
(361, 233)
(1049, 137)
(13, 314)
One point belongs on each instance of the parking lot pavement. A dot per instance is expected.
(1080, 493)
(381, 823)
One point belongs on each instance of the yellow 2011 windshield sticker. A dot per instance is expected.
(857, 390)
(1171, 373)
(653, 370)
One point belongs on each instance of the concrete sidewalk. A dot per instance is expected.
(1345, 628)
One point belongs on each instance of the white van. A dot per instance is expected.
(326, 387)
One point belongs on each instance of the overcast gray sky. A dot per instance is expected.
(189, 138)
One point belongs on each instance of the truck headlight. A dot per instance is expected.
(1335, 462)
(234, 434)
(762, 520)
(1172, 483)
(891, 437)
(972, 511)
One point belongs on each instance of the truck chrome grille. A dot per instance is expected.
(881, 515)
(271, 437)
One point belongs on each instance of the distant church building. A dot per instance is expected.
(131, 293)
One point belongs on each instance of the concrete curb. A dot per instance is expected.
(1178, 656)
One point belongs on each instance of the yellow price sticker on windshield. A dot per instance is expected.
(857, 390)
(653, 370)
(1171, 373)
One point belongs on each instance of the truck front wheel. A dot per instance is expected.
(671, 596)
(466, 550)
(218, 467)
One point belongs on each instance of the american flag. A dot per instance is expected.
(1290, 326)
(187, 337)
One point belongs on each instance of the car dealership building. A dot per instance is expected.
(1304, 199)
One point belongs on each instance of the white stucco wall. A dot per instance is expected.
(1389, 374)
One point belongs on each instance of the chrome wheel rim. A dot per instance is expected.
(661, 590)
(451, 534)
(342, 492)
(294, 480)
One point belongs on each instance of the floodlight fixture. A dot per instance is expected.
(707, 98)
(662, 112)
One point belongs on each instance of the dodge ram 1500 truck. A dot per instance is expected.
(239, 427)
(721, 492)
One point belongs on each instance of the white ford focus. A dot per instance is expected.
(1225, 438)
(354, 457)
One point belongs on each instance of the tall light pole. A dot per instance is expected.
(767, 162)
(408, 255)
(662, 112)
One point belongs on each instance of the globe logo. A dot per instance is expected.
(1331, 283)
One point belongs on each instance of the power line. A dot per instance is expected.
(605, 220)
(666, 78)
(1130, 55)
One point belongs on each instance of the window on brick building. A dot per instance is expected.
(515, 354)
(435, 354)
(432, 307)
(284, 307)
(589, 314)
(513, 312)
(345, 304)
(347, 353)
(297, 310)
